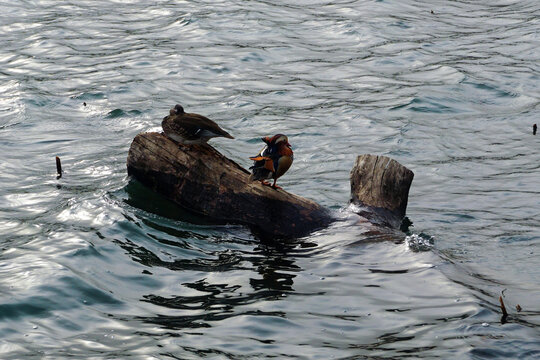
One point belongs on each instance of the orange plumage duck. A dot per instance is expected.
(273, 160)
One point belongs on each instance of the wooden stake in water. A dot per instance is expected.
(534, 129)
(58, 168)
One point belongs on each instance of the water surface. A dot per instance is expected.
(95, 266)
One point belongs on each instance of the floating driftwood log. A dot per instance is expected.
(205, 182)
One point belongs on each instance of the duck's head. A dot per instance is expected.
(176, 110)
(277, 139)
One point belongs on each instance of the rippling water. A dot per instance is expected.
(95, 266)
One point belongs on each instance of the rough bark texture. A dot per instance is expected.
(380, 189)
(205, 182)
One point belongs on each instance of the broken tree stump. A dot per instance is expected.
(380, 189)
(203, 181)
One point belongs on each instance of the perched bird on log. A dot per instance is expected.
(188, 129)
(273, 160)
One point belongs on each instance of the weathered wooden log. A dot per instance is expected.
(205, 182)
(380, 189)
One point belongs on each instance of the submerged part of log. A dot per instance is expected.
(380, 189)
(205, 182)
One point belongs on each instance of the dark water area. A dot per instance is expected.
(96, 266)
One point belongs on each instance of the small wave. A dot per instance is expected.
(117, 113)
(91, 96)
(421, 242)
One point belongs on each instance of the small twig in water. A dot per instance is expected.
(503, 309)
(58, 168)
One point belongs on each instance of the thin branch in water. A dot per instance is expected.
(503, 309)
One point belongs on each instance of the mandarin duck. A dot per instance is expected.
(273, 160)
(188, 129)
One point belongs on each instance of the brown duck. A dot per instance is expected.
(273, 160)
(189, 129)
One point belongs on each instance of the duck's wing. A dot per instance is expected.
(263, 166)
(206, 127)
